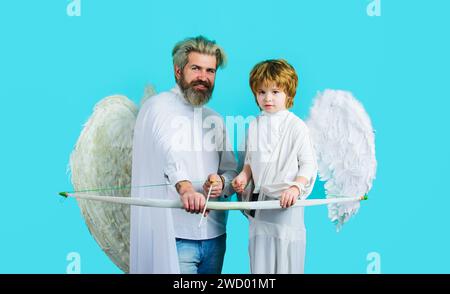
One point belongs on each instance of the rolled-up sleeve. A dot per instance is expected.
(173, 168)
(173, 160)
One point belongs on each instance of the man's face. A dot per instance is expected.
(196, 79)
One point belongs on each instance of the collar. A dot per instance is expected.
(281, 113)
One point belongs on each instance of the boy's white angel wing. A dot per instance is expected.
(345, 148)
(101, 160)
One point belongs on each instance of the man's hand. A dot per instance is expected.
(289, 197)
(239, 183)
(193, 201)
(215, 181)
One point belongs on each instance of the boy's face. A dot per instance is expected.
(271, 98)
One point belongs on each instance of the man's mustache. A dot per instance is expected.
(206, 84)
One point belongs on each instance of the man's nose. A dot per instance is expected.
(202, 76)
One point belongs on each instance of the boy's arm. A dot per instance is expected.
(302, 180)
(242, 180)
(247, 172)
(300, 185)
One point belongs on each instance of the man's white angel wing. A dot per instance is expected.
(345, 147)
(102, 159)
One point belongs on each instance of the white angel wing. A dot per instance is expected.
(102, 159)
(345, 147)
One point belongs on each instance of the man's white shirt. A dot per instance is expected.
(193, 144)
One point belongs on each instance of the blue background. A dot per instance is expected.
(54, 68)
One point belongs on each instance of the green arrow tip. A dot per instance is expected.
(64, 194)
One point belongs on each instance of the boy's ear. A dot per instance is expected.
(289, 102)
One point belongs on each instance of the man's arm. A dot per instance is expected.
(192, 200)
(173, 165)
(227, 168)
(228, 165)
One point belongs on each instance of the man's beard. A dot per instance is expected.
(193, 96)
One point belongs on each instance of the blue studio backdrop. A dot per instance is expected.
(56, 63)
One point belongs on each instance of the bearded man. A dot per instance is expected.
(180, 150)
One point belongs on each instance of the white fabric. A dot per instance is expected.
(265, 133)
(278, 237)
(168, 147)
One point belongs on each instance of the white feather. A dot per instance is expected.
(102, 158)
(345, 147)
(149, 91)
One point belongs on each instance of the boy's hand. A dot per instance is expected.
(239, 183)
(215, 181)
(289, 197)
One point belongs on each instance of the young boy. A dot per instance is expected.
(280, 161)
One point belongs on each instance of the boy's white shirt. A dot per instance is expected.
(264, 134)
(278, 237)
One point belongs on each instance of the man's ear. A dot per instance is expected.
(177, 71)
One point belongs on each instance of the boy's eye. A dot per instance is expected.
(261, 92)
(275, 92)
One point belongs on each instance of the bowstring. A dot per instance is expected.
(117, 188)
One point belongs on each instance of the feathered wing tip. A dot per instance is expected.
(345, 148)
(102, 158)
(149, 91)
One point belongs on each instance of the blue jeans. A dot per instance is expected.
(201, 256)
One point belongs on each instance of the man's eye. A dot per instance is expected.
(211, 71)
(194, 68)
